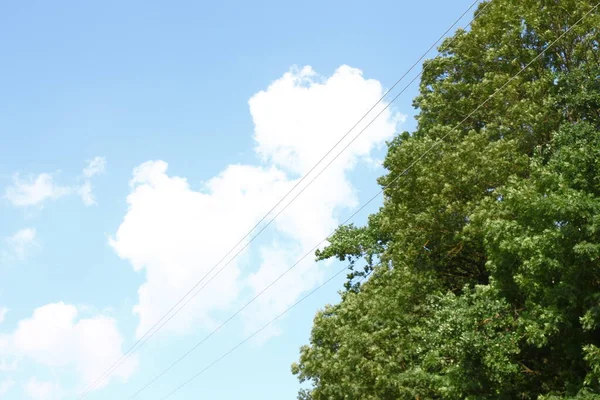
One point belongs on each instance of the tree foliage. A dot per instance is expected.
(485, 256)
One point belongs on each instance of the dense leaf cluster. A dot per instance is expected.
(485, 257)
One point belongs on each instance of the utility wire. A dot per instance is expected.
(380, 192)
(280, 276)
(150, 332)
(255, 333)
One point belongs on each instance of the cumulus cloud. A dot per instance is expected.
(3, 311)
(35, 191)
(19, 244)
(175, 233)
(301, 116)
(86, 345)
(39, 390)
(310, 116)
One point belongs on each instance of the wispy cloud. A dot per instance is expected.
(40, 390)
(95, 167)
(5, 385)
(36, 190)
(19, 244)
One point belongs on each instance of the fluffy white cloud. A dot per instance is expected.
(87, 345)
(175, 233)
(38, 390)
(34, 191)
(21, 243)
(5, 385)
(301, 116)
(296, 121)
(274, 261)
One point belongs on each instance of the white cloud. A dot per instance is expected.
(21, 243)
(34, 191)
(38, 390)
(175, 234)
(374, 163)
(274, 261)
(85, 191)
(5, 385)
(3, 311)
(87, 345)
(300, 116)
(8, 361)
(95, 167)
(6, 364)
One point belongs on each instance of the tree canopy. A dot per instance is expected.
(484, 259)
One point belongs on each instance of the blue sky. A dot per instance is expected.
(140, 140)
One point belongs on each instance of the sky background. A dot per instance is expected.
(139, 141)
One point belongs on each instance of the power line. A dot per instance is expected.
(157, 377)
(377, 195)
(256, 332)
(280, 276)
(147, 335)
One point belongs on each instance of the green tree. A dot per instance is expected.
(485, 256)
